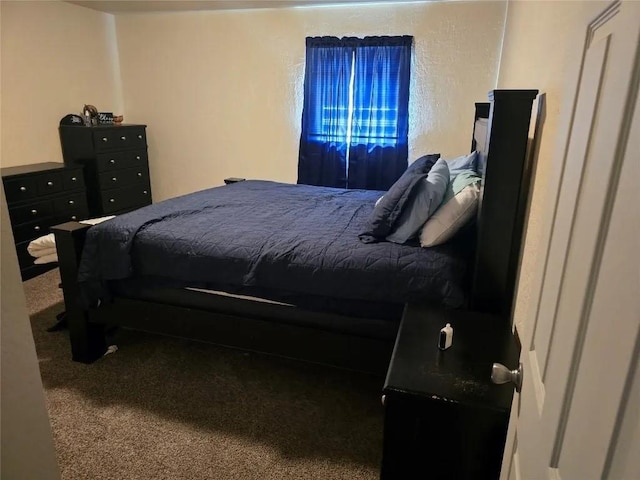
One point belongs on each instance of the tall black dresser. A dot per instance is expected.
(116, 165)
(40, 196)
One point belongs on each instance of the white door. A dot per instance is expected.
(579, 358)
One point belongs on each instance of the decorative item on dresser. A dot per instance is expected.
(116, 166)
(39, 196)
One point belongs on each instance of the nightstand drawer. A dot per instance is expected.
(20, 189)
(121, 178)
(49, 183)
(117, 160)
(123, 198)
(31, 212)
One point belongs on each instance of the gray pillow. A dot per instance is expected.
(388, 210)
(424, 201)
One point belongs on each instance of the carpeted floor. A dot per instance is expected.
(164, 408)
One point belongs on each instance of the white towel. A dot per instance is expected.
(42, 246)
(53, 257)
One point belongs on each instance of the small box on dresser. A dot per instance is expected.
(115, 164)
(40, 196)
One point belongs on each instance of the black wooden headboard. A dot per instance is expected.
(502, 162)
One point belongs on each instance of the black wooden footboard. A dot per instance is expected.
(87, 339)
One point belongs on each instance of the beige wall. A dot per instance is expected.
(542, 49)
(221, 92)
(55, 58)
(26, 442)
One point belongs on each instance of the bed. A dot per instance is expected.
(279, 269)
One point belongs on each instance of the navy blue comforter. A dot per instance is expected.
(277, 237)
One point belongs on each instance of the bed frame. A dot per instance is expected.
(321, 337)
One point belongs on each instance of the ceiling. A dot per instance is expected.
(137, 6)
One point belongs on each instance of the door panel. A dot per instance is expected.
(575, 360)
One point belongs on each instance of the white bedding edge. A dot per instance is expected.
(244, 297)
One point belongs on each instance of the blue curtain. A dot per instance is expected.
(323, 142)
(379, 134)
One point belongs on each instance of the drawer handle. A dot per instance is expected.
(112, 161)
(34, 212)
(114, 179)
(71, 202)
(144, 192)
(123, 138)
(140, 137)
(111, 200)
(137, 157)
(73, 179)
(36, 228)
(50, 184)
(23, 189)
(73, 217)
(139, 174)
(105, 139)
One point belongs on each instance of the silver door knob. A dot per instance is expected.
(71, 202)
(139, 174)
(34, 212)
(50, 184)
(140, 137)
(111, 200)
(123, 138)
(114, 179)
(73, 217)
(383, 400)
(73, 179)
(112, 161)
(36, 228)
(137, 157)
(23, 189)
(501, 374)
(105, 139)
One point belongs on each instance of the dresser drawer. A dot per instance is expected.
(31, 212)
(117, 199)
(118, 138)
(20, 189)
(73, 180)
(117, 160)
(31, 230)
(49, 183)
(74, 204)
(121, 178)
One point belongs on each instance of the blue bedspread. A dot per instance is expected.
(277, 237)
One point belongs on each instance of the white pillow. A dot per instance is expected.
(450, 217)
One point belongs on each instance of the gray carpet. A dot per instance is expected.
(164, 408)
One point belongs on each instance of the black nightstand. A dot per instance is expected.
(230, 180)
(444, 418)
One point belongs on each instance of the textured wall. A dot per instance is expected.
(222, 91)
(55, 58)
(542, 48)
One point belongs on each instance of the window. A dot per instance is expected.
(355, 114)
